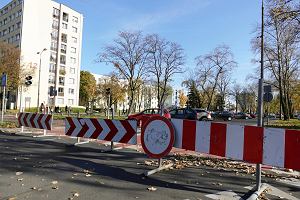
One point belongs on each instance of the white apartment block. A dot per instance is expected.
(55, 31)
(145, 98)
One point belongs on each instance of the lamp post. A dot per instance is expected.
(38, 97)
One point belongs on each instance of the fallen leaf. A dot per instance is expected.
(88, 175)
(152, 189)
(33, 188)
(55, 188)
(19, 173)
(20, 179)
(54, 182)
(76, 194)
(12, 198)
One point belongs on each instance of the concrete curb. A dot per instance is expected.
(256, 194)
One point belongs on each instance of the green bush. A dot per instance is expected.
(8, 125)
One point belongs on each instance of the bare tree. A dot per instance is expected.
(128, 56)
(214, 70)
(164, 61)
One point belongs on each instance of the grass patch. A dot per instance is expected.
(8, 125)
(290, 124)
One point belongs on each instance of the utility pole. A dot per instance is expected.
(39, 81)
(3, 84)
(260, 93)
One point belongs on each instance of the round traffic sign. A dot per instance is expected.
(157, 137)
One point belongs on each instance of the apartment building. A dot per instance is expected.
(49, 36)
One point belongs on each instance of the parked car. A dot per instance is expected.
(298, 117)
(252, 115)
(242, 115)
(143, 116)
(203, 115)
(224, 115)
(183, 113)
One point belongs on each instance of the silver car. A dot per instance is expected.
(203, 115)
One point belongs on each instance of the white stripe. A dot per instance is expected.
(274, 144)
(43, 121)
(121, 131)
(28, 120)
(235, 141)
(78, 127)
(67, 126)
(22, 119)
(35, 120)
(105, 130)
(178, 126)
(133, 124)
(202, 137)
(91, 129)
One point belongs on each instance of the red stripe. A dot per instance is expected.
(47, 122)
(130, 132)
(113, 130)
(31, 120)
(189, 135)
(19, 118)
(253, 144)
(98, 127)
(292, 149)
(25, 120)
(218, 139)
(83, 130)
(39, 121)
(69, 121)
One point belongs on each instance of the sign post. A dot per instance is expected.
(3, 84)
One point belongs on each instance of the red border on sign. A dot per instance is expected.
(172, 132)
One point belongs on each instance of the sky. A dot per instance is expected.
(198, 26)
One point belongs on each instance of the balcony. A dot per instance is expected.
(61, 94)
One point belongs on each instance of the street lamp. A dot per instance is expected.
(38, 97)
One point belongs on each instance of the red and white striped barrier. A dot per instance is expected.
(35, 120)
(269, 146)
(123, 131)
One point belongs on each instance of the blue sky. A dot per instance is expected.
(197, 25)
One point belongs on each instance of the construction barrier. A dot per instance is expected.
(35, 120)
(122, 131)
(269, 146)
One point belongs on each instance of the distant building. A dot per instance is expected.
(36, 25)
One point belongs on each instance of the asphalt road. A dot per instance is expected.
(30, 167)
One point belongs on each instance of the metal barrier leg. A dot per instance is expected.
(79, 142)
(44, 134)
(160, 168)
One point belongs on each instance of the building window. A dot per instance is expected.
(55, 13)
(61, 80)
(60, 100)
(54, 34)
(63, 59)
(65, 17)
(74, 39)
(18, 37)
(64, 38)
(73, 50)
(64, 26)
(51, 79)
(72, 70)
(71, 102)
(74, 29)
(60, 90)
(52, 67)
(19, 25)
(55, 24)
(71, 81)
(71, 91)
(19, 13)
(75, 19)
(63, 48)
(53, 57)
(73, 60)
(53, 46)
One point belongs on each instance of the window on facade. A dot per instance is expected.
(61, 80)
(52, 67)
(64, 26)
(74, 39)
(19, 13)
(55, 13)
(64, 38)
(73, 50)
(75, 19)
(51, 79)
(71, 91)
(65, 17)
(74, 29)
(60, 90)
(71, 81)
(63, 59)
(72, 70)
(60, 100)
(4, 31)
(18, 37)
(63, 48)
(53, 57)
(5, 21)
(73, 60)
(53, 46)
(71, 102)
(54, 34)
(19, 24)
(55, 24)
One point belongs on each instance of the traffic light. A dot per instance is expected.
(28, 80)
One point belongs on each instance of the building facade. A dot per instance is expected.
(49, 36)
